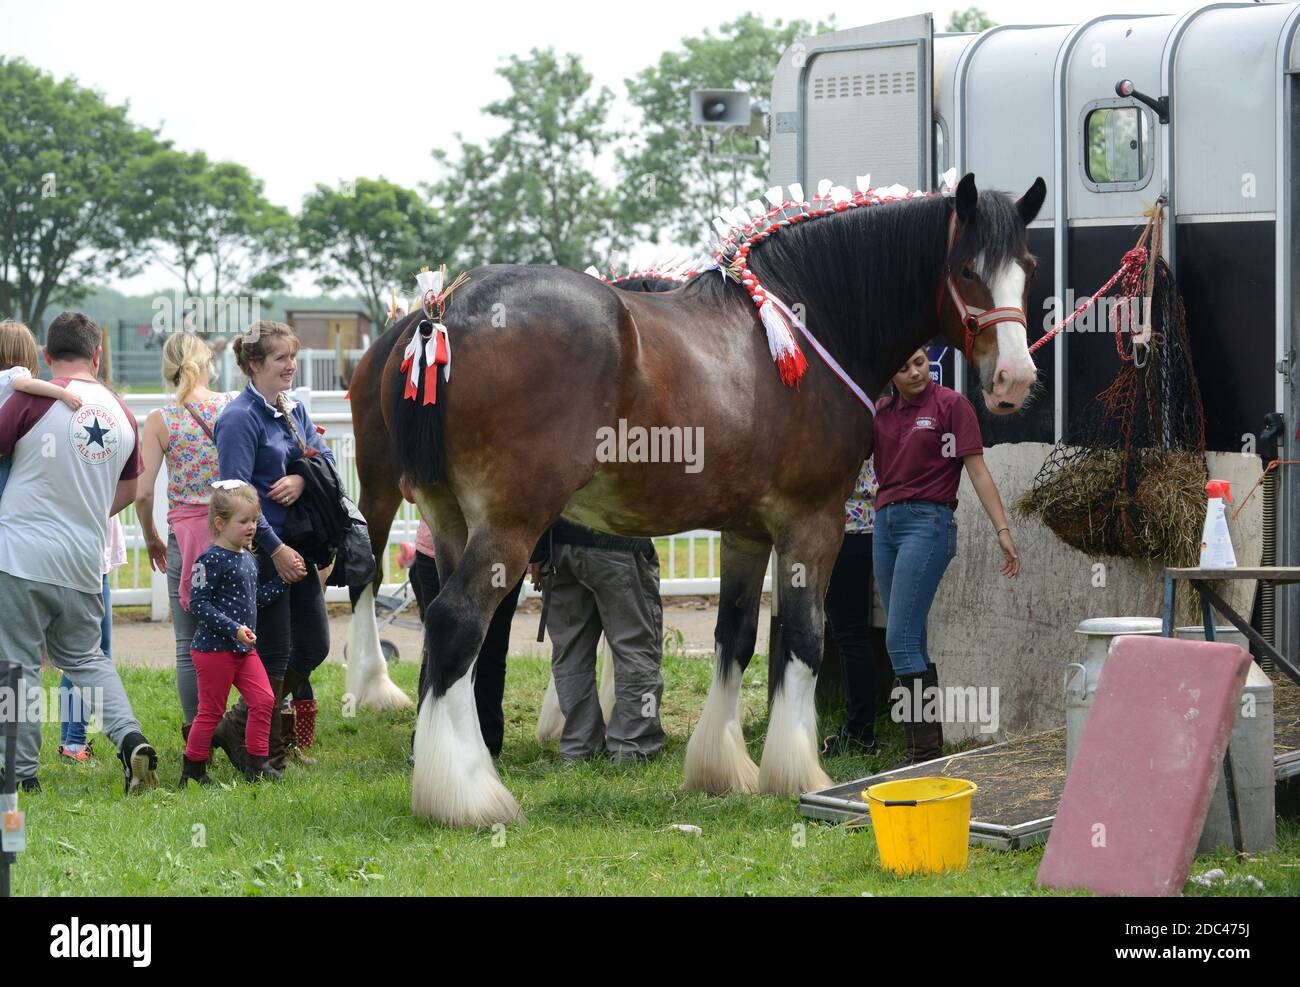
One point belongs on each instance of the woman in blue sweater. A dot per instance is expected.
(259, 434)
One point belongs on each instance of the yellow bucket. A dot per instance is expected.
(921, 824)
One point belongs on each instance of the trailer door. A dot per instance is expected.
(856, 102)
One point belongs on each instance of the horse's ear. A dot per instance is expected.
(967, 195)
(1032, 201)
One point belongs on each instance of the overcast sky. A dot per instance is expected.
(315, 92)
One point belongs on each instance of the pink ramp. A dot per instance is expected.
(1141, 783)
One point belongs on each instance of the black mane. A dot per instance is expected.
(868, 278)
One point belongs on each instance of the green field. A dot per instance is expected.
(345, 827)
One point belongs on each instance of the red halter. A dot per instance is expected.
(974, 320)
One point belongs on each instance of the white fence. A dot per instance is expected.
(688, 562)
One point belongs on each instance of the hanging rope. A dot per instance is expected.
(1133, 263)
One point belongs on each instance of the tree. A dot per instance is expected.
(370, 236)
(72, 164)
(214, 228)
(531, 194)
(972, 19)
(670, 184)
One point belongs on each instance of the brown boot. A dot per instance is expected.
(924, 742)
(924, 737)
(229, 735)
(931, 681)
(278, 756)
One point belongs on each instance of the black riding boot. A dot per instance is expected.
(195, 771)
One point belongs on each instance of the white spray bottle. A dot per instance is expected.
(1216, 546)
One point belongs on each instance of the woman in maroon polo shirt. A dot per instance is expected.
(924, 435)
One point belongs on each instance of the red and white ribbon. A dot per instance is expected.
(435, 346)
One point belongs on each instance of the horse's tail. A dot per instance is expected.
(414, 425)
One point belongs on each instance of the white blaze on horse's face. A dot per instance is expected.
(1007, 386)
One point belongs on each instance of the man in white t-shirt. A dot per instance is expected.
(72, 471)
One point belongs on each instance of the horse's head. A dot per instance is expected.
(985, 296)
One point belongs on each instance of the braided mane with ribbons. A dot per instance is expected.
(744, 227)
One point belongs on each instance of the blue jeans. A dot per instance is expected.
(73, 714)
(914, 542)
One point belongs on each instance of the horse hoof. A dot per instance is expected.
(454, 781)
(787, 779)
(383, 694)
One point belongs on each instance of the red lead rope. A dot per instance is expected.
(1133, 262)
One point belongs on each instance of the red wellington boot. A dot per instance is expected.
(304, 727)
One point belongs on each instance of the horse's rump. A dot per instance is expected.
(512, 331)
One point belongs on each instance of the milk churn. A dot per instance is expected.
(1081, 678)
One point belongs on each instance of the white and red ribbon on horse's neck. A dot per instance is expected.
(779, 322)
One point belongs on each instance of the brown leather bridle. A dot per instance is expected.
(975, 320)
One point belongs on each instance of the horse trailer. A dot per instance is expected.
(1206, 129)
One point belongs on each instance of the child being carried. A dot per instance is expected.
(18, 373)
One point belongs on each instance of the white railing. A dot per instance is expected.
(688, 562)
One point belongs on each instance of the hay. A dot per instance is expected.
(1083, 503)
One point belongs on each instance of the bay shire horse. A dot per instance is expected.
(548, 361)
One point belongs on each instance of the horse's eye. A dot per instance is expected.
(968, 274)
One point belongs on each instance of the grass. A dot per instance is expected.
(345, 827)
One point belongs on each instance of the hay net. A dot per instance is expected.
(1132, 483)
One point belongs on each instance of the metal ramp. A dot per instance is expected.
(1019, 782)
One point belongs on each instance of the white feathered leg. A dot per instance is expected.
(367, 679)
(455, 781)
(790, 765)
(716, 759)
(550, 721)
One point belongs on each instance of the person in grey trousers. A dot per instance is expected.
(72, 471)
(592, 583)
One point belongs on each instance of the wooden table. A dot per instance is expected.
(1211, 601)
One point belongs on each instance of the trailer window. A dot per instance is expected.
(940, 162)
(1119, 145)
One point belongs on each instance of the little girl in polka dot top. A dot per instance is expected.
(224, 597)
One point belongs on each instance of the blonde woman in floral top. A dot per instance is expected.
(848, 609)
(173, 434)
